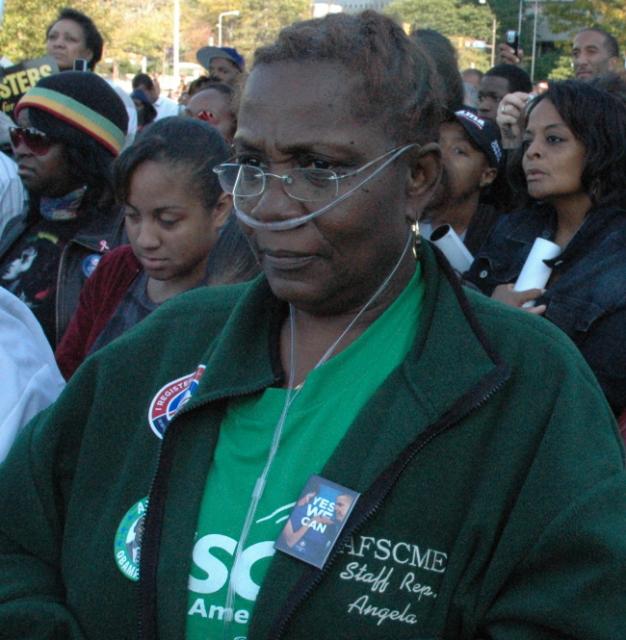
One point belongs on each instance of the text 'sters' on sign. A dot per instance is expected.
(15, 81)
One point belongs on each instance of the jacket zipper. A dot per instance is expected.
(463, 407)
(146, 594)
(388, 478)
(311, 580)
(57, 315)
(60, 270)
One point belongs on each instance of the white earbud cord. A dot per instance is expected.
(292, 394)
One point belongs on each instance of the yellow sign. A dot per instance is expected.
(15, 81)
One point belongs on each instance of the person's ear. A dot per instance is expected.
(222, 209)
(424, 176)
(615, 64)
(487, 177)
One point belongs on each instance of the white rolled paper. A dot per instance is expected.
(448, 241)
(535, 273)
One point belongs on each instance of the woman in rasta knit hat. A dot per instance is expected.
(72, 126)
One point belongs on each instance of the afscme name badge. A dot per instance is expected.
(316, 521)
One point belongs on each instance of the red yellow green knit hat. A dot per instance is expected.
(68, 105)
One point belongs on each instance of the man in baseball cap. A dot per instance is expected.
(472, 156)
(224, 64)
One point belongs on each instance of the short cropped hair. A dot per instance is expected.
(610, 42)
(399, 87)
(143, 80)
(598, 120)
(517, 78)
(444, 56)
(93, 38)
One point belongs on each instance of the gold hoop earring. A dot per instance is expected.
(417, 239)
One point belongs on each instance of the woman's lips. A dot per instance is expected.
(534, 174)
(286, 260)
(152, 263)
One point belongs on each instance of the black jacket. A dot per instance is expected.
(99, 233)
(586, 296)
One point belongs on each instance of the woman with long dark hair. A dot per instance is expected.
(571, 167)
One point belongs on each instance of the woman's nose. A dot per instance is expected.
(275, 204)
(533, 149)
(147, 238)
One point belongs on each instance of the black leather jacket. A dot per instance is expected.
(586, 297)
(99, 234)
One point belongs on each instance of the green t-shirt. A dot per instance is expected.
(319, 417)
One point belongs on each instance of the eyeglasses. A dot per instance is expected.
(36, 141)
(246, 181)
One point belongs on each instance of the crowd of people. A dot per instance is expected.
(251, 389)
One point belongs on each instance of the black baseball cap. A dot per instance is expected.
(484, 135)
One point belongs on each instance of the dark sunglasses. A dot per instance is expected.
(37, 141)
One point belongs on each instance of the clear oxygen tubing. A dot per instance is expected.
(292, 394)
(291, 223)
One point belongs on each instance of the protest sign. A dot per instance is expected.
(15, 81)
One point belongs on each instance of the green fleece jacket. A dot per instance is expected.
(493, 489)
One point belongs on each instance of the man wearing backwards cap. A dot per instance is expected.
(71, 127)
(472, 155)
(224, 64)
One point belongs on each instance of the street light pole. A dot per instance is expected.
(219, 24)
(532, 63)
(493, 41)
(493, 35)
(176, 42)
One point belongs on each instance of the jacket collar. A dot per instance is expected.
(540, 221)
(437, 387)
(244, 359)
(102, 230)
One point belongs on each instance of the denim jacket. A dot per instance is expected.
(586, 296)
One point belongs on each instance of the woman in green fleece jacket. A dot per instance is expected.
(479, 482)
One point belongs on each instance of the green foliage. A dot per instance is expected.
(146, 28)
(562, 68)
(554, 65)
(507, 13)
(135, 28)
(610, 15)
(142, 28)
(565, 16)
(261, 20)
(474, 59)
(462, 21)
(464, 18)
(23, 30)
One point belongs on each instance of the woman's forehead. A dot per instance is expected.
(68, 25)
(325, 85)
(287, 102)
